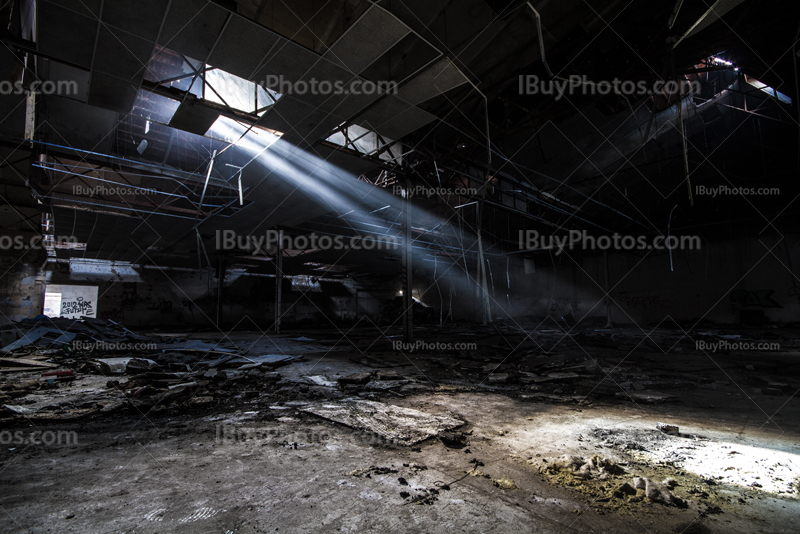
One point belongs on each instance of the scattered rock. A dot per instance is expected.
(667, 428)
(498, 378)
(646, 397)
(595, 467)
(624, 489)
(453, 440)
(504, 483)
(140, 365)
(657, 492)
(355, 378)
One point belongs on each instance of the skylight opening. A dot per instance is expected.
(231, 131)
(172, 70)
(367, 142)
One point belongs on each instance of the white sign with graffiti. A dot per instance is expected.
(72, 302)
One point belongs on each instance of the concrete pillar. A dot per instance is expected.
(220, 286)
(279, 283)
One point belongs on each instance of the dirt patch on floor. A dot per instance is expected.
(636, 487)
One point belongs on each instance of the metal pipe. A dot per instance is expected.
(669, 225)
(674, 14)
(683, 136)
(208, 175)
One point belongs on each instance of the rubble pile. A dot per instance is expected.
(603, 480)
(64, 369)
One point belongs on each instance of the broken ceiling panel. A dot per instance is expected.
(66, 35)
(142, 17)
(286, 60)
(193, 117)
(352, 164)
(192, 27)
(59, 71)
(368, 39)
(88, 8)
(121, 54)
(112, 93)
(322, 81)
(348, 105)
(434, 81)
(394, 118)
(242, 46)
(298, 120)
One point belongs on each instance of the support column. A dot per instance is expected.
(279, 283)
(481, 275)
(220, 285)
(408, 301)
(609, 323)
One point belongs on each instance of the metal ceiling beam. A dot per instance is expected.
(711, 15)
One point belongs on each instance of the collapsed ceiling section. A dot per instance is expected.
(256, 115)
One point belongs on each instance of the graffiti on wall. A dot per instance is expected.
(77, 306)
(794, 292)
(129, 298)
(742, 298)
(761, 298)
(187, 304)
(115, 314)
(161, 305)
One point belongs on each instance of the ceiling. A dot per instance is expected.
(569, 162)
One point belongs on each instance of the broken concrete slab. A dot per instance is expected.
(140, 365)
(320, 381)
(384, 385)
(113, 366)
(453, 440)
(667, 428)
(355, 378)
(27, 339)
(404, 426)
(562, 376)
(646, 397)
(273, 359)
(389, 375)
(25, 362)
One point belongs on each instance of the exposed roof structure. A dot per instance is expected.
(180, 98)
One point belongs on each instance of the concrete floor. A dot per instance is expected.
(191, 469)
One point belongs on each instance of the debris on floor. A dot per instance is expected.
(667, 428)
(504, 483)
(404, 426)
